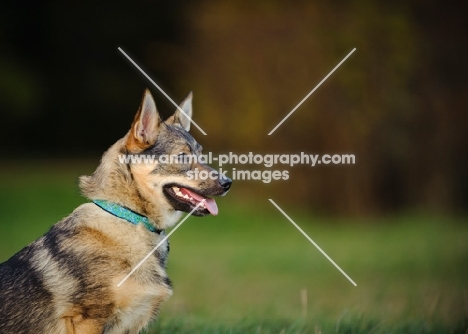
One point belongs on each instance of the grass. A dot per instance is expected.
(243, 271)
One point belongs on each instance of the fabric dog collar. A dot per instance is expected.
(127, 214)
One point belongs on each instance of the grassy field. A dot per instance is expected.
(243, 271)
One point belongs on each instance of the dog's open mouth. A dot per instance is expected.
(184, 199)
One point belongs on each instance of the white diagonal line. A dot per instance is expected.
(311, 92)
(160, 89)
(312, 241)
(159, 244)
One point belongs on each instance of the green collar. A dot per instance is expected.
(125, 213)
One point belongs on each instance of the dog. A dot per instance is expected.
(67, 281)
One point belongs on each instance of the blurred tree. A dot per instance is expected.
(251, 63)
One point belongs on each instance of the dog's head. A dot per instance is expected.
(155, 169)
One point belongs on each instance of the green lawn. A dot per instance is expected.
(243, 271)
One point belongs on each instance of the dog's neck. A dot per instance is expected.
(113, 181)
(129, 215)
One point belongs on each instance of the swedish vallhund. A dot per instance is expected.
(67, 280)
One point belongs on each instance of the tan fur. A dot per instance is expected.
(69, 277)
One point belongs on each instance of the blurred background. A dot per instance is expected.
(399, 104)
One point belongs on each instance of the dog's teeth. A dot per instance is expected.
(182, 195)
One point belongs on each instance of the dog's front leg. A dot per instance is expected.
(70, 329)
(78, 325)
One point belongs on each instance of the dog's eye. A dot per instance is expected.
(182, 157)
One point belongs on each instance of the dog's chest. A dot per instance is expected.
(139, 298)
(137, 306)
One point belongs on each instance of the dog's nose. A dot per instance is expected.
(225, 182)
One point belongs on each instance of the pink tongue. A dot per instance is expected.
(209, 202)
(211, 206)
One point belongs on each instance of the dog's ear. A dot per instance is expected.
(180, 118)
(145, 126)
